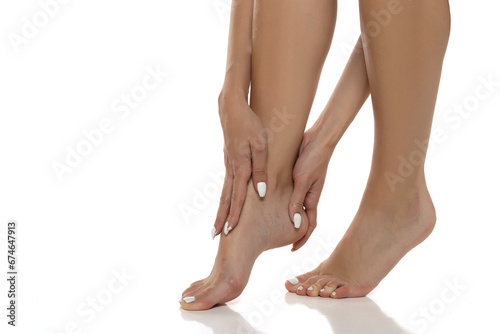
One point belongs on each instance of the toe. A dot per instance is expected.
(302, 288)
(217, 291)
(195, 286)
(202, 299)
(327, 289)
(193, 291)
(292, 284)
(197, 283)
(340, 292)
(313, 290)
(306, 285)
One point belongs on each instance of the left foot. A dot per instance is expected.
(263, 225)
(377, 239)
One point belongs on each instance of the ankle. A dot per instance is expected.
(410, 202)
(279, 182)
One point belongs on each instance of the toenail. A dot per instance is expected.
(293, 280)
(322, 290)
(334, 293)
(189, 299)
(297, 219)
(300, 288)
(261, 187)
(310, 288)
(213, 232)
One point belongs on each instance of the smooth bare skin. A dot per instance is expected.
(291, 39)
(320, 140)
(245, 142)
(403, 64)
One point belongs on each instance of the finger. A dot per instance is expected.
(311, 204)
(295, 208)
(259, 168)
(224, 205)
(240, 183)
(312, 216)
(301, 242)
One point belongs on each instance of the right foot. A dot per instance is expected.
(379, 236)
(263, 225)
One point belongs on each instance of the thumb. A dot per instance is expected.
(296, 206)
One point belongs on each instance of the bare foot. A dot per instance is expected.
(379, 236)
(263, 225)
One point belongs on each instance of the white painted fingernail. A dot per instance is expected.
(293, 280)
(189, 299)
(334, 293)
(226, 228)
(310, 288)
(213, 232)
(300, 288)
(322, 290)
(261, 187)
(297, 219)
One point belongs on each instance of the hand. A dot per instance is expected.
(245, 156)
(309, 176)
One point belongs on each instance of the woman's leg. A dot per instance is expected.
(291, 39)
(403, 61)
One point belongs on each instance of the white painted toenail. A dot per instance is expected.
(322, 290)
(297, 219)
(293, 280)
(226, 228)
(310, 288)
(334, 293)
(300, 288)
(213, 232)
(189, 299)
(261, 187)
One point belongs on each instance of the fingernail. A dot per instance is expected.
(189, 299)
(322, 290)
(293, 280)
(261, 187)
(227, 228)
(297, 219)
(334, 293)
(310, 288)
(213, 232)
(300, 288)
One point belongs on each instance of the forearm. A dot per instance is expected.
(347, 99)
(239, 53)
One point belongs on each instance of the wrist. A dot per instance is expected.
(232, 95)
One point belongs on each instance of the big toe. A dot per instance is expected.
(292, 284)
(201, 300)
(218, 291)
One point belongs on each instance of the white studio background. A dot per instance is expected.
(117, 213)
